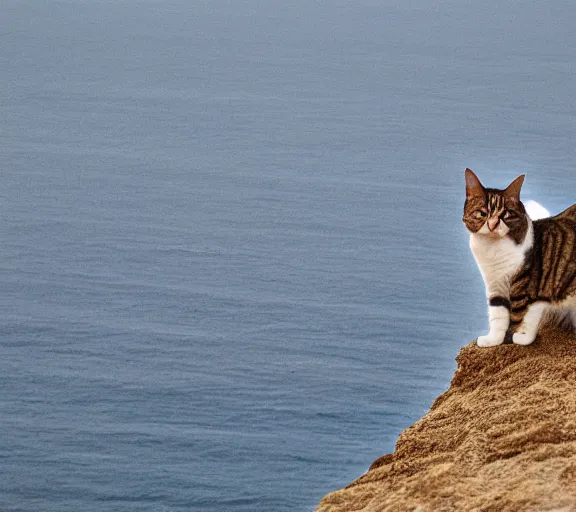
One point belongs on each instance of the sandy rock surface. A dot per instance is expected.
(501, 439)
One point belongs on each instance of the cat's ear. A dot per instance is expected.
(513, 190)
(473, 186)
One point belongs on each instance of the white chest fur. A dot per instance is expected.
(498, 259)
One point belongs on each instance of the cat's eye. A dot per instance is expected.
(509, 215)
(480, 214)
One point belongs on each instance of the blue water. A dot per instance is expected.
(232, 263)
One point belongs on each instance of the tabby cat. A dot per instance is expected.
(529, 267)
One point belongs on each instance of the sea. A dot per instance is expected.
(232, 262)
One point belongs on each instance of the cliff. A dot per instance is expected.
(501, 439)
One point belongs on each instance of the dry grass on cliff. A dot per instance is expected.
(501, 439)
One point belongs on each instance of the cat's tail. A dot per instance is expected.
(565, 318)
(568, 320)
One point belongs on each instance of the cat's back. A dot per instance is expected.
(568, 214)
(549, 270)
(561, 225)
(555, 242)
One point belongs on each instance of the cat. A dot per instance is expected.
(529, 267)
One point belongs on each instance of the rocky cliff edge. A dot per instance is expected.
(501, 439)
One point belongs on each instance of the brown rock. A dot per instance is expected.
(501, 439)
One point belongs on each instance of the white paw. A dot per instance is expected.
(521, 338)
(489, 341)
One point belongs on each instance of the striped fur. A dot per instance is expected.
(529, 267)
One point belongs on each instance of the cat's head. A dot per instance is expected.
(495, 213)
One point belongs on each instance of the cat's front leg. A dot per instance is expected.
(525, 333)
(499, 316)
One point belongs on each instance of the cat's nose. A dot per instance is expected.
(493, 223)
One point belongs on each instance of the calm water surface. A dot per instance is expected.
(232, 262)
